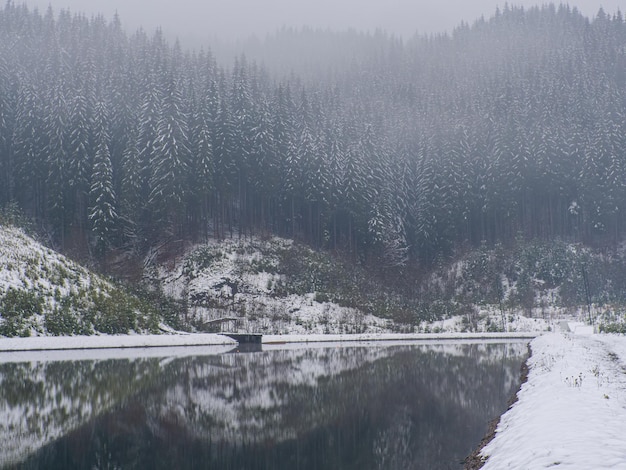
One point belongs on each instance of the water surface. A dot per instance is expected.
(358, 406)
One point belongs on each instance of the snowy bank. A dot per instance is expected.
(313, 338)
(50, 343)
(571, 413)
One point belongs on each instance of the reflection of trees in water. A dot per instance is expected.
(426, 395)
(392, 446)
(41, 401)
(353, 407)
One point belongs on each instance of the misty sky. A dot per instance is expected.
(199, 20)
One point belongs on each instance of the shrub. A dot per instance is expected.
(20, 304)
(62, 322)
(11, 214)
(200, 259)
(112, 317)
(613, 328)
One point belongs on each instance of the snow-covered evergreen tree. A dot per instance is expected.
(103, 202)
(170, 160)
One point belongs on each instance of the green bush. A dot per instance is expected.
(16, 307)
(61, 322)
(112, 317)
(20, 304)
(619, 328)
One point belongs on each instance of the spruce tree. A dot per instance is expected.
(103, 203)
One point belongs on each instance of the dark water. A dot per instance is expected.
(352, 407)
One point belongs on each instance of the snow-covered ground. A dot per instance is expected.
(52, 343)
(55, 343)
(239, 279)
(571, 412)
(278, 339)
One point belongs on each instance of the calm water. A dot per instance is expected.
(351, 407)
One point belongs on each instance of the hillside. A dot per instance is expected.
(272, 286)
(277, 286)
(44, 293)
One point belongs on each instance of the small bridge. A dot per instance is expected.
(217, 325)
(245, 338)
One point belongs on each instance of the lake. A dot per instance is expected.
(335, 406)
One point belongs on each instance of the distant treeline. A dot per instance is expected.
(512, 126)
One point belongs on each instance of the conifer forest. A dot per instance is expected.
(513, 126)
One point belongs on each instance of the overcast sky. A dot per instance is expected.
(238, 19)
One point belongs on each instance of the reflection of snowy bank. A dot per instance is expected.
(113, 353)
(571, 412)
(259, 394)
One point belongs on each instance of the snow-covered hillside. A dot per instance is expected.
(45, 293)
(253, 282)
(247, 281)
(269, 286)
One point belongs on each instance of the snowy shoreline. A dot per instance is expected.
(56, 343)
(52, 343)
(321, 338)
(571, 411)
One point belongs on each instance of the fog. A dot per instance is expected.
(198, 21)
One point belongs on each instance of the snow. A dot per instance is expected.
(571, 413)
(64, 288)
(338, 338)
(51, 343)
(206, 274)
(66, 343)
(25, 263)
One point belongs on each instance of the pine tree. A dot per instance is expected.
(201, 182)
(56, 160)
(264, 165)
(225, 167)
(103, 208)
(170, 162)
(30, 165)
(283, 139)
(79, 153)
(150, 115)
(131, 192)
(315, 182)
(7, 122)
